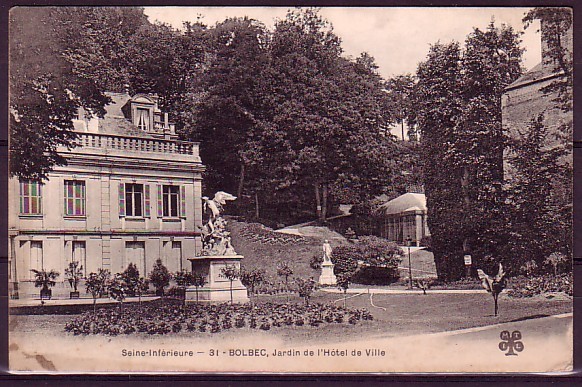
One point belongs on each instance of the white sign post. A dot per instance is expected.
(468, 263)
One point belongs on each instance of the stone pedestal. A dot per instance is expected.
(327, 277)
(217, 288)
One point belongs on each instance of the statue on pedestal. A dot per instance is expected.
(215, 238)
(327, 276)
(216, 256)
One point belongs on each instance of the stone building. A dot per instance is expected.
(525, 99)
(130, 192)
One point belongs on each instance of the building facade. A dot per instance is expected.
(130, 193)
(526, 98)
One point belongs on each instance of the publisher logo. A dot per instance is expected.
(511, 343)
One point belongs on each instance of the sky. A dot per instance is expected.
(397, 37)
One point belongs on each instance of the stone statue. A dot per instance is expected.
(327, 276)
(215, 237)
(326, 251)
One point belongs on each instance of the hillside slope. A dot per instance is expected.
(266, 249)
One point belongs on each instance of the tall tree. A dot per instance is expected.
(323, 114)
(439, 101)
(229, 108)
(491, 61)
(400, 89)
(61, 59)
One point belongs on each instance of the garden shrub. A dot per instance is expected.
(371, 260)
(532, 286)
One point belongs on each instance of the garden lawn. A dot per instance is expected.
(405, 314)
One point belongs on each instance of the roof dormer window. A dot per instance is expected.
(143, 119)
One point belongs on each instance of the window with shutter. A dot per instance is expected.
(160, 202)
(121, 199)
(182, 201)
(146, 200)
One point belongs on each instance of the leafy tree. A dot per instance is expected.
(169, 63)
(142, 285)
(117, 289)
(252, 278)
(555, 261)
(343, 283)
(160, 277)
(184, 278)
(400, 91)
(458, 96)
(96, 285)
(305, 288)
(199, 281)
(321, 119)
(229, 108)
(231, 273)
(62, 58)
(437, 97)
(131, 277)
(284, 270)
(539, 221)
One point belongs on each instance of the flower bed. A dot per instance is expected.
(158, 317)
(532, 286)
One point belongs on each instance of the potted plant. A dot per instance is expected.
(74, 274)
(45, 280)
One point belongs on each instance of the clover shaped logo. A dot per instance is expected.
(511, 342)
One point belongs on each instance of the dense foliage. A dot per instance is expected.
(158, 318)
(537, 172)
(370, 260)
(300, 137)
(459, 118)
(160, 277)
(523, 286)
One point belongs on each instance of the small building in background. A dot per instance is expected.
(130, 193)
(403, 217)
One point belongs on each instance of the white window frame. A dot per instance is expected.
(169, 193)
(130, 200)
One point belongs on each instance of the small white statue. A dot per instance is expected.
(326, 251)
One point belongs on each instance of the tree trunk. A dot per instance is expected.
(94, 305)
(257, 214)
(495, 299)
(317, 201)
(324, 202)
(241, 181)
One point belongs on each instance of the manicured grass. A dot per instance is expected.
(405, 314)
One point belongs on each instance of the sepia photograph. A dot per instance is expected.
(290, 190)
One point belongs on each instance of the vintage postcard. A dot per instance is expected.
(290, 190)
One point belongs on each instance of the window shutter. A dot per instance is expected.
(160, 202)
(121, 199)
(182, 201)
(146, 201)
